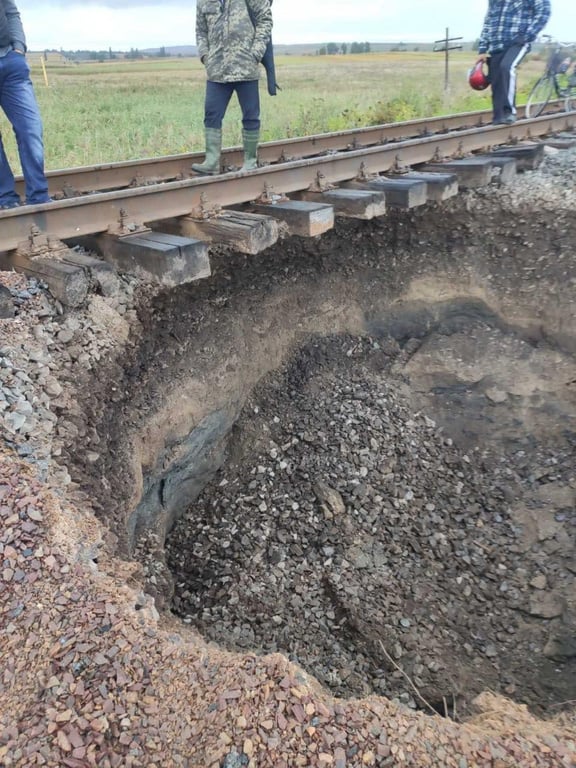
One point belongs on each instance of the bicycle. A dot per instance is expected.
(557, 82)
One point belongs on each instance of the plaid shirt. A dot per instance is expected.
(510, 22)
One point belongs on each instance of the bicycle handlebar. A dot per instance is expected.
(549, 40)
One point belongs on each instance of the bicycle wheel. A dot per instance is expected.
(540, 95)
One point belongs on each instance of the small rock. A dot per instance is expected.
(546, 605)
(539, 582)
(7, 308)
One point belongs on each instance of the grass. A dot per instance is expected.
(121, 110)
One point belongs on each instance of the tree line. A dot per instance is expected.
(331, 49)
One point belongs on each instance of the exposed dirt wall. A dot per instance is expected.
(203, 348)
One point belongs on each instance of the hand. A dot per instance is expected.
(483, 57)
(18, 50)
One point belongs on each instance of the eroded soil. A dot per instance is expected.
(424, 364)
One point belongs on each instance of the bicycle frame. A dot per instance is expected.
(558, 81)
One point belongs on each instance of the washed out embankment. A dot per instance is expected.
(454, 316)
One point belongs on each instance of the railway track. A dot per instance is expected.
(144, 216)
(73, 182)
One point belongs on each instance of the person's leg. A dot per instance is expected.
(8, 196)
(511, 58)
(249, 98)
(216, 102)
(497, 85)
(510, 63)
(19, 103)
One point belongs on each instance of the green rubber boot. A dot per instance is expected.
(211, 164)
(250, 141)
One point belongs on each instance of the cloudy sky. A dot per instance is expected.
(123, 24)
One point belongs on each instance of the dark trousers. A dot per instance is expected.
(502, 70)
(218, 97)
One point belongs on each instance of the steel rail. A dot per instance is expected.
(92, 214)
(107, 177)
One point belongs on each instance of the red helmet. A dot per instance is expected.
(477, 78)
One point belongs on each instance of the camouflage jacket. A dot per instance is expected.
(229, 45)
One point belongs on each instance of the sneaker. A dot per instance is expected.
(9, 206)
(40, 202)
(509, 120)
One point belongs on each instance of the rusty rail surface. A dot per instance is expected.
(125, 209)
(113, 176)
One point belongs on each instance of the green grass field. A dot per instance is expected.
(98, 113)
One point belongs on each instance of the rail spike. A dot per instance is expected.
(437, 157)
(320, 184)
(400, 166)
(460, 152)
(69, 191)
(269, 197)
(364, 174)
(125, 226)
(205, 210)
(41, 245)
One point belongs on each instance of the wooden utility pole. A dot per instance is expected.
(447, 44)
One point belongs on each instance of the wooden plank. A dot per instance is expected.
(399, 192)
(528, 156)
(101, 273)
(303, 218)
(157, 257)
(66, 282)
(471, 171)
(560, 142)
(351, 203)
(504, 169)
(245, 232)
(439, 186)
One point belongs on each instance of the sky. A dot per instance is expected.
(125, 24)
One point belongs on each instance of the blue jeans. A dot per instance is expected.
(19, 103)
(218, 97)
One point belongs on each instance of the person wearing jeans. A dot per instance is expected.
(232, 37)
(19, 104)
(510, 26)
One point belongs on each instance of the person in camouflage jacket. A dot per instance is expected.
(231, 37)
(510, 26)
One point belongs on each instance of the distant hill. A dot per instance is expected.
(292, 49)
(304, 49)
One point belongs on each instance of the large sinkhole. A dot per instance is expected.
(374, 525)
(359, 452)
